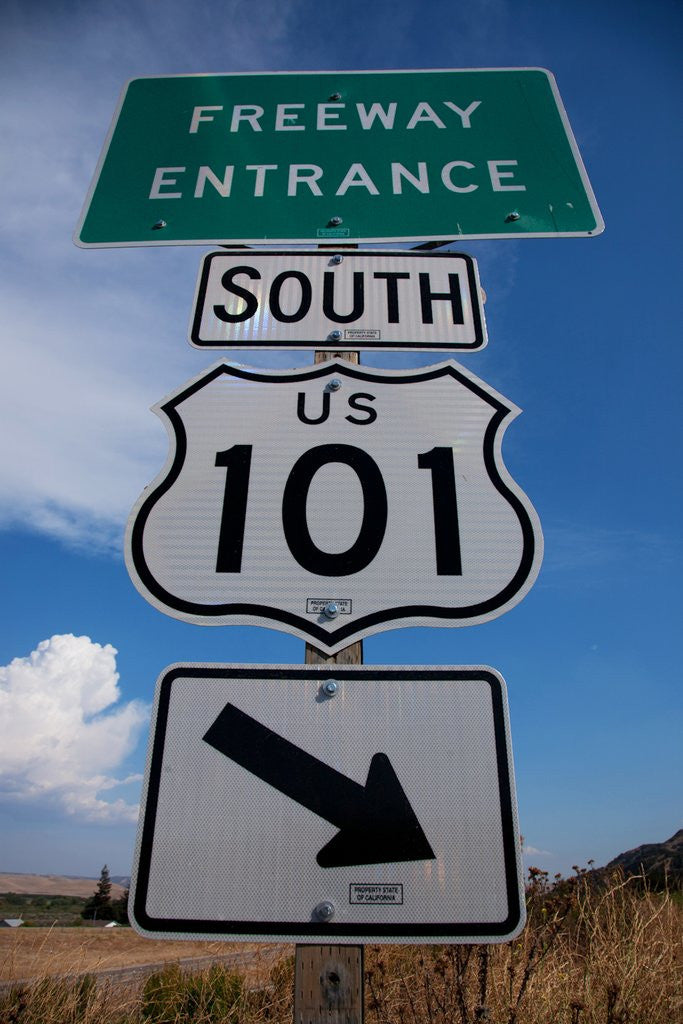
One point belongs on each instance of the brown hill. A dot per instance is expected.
(52, 885)
(661, 863)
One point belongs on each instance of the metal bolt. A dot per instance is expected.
(331, 610)
(335, 383)
(324, 911)
(512, 216)
(335, 96)
(330, 688)
(337, 259)
(335, 335)
(335, 221)
(159, 224)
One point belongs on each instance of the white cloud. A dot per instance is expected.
(83, 440)
(60, 735)
(572, 549)
(533, 851)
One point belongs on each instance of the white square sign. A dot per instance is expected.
(348, 804)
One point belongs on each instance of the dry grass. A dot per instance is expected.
(44, 952)
(169, 996)
(589, 955)
(608, 954)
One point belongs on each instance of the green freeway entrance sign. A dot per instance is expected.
(354, 156)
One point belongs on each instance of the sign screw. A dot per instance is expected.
(335, 335)
(512, 216)
(335, 96)
(331, 610)
(335, 383)
(330, 687)
(159, 224)
(337, 259)
(335, 221)
(324, 911)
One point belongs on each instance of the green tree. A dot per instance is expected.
(99, 906)
(120, 908)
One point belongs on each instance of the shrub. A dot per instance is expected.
(50, 1001)
(173, 995)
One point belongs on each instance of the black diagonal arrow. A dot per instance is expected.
(376, 822)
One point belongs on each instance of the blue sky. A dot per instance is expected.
(583, 336)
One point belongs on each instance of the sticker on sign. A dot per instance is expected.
(380, 810)
(334, 501)
(344, 300)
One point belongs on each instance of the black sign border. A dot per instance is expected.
(313, 931)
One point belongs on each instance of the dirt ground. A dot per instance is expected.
(36, 952)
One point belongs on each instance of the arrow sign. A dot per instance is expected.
(376, 822)
(222, 851)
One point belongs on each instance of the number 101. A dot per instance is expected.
(237, 461)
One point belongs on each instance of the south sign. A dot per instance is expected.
(334, 502)
(343, 300)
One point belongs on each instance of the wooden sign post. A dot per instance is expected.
(328, 980)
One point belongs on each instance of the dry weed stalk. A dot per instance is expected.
(57, 1001)
(593, 952)
(629, 939)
